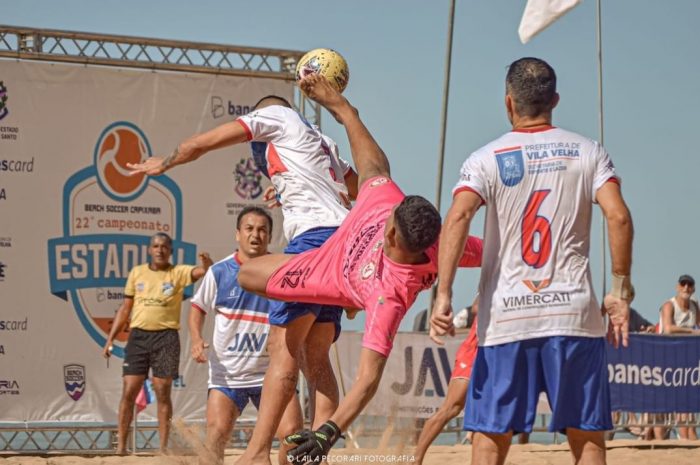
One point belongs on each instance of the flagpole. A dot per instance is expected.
(601, 127)
(443, 123)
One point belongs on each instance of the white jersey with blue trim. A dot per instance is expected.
(539, 188)
(238, 355)
(303, 165)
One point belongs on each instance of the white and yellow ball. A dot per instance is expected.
(326, 62)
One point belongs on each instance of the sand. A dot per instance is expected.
(619, 453)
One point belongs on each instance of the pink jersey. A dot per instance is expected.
(352, 270)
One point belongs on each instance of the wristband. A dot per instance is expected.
(621, 287)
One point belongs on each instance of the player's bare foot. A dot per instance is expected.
(121, 452)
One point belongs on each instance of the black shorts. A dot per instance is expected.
(158, 350)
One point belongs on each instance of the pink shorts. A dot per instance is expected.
(307, 277)
(464, 361)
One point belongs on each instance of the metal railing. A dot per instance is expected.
(25, 43)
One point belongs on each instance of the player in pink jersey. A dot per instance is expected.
(314, 187)
(381, 257)
(540, 326)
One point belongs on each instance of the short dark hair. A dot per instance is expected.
(418, 223)
(162, 235)
(532, 84)
(255, 210)
(280, 101)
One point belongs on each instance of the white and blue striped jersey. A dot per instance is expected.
(238, 355)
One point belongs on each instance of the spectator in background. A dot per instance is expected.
(679, 315)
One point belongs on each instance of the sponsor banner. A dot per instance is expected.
(415, 379)
(655, 374)
(80, 221)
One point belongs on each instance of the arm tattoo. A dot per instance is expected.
(169, 160)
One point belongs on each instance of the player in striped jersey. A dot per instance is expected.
(540, 326)
(239, 359)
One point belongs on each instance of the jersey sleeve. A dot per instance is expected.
(472, 177)
(183, 274)
(473, 249)
(205, 297)
(382, 323)
(130, 288)
(344, 165)
(604, 169)
(264, 125)
(378, 191)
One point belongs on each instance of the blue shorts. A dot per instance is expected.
(241, 396)
(282, 313)
(507, 380)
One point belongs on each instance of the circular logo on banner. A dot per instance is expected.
(119, 144)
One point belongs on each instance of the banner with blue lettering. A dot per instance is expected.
(655, 374)
(75, 221)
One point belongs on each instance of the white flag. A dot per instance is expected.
(539, 14)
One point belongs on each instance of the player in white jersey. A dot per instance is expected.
(308, 175)
(303, 165)
(238, 359)
(540, 327)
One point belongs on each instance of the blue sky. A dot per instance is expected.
(396, 52)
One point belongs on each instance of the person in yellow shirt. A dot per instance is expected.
(152, 299)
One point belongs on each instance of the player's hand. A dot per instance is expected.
(152, 166)
(312, 446)
(198, 351)
(618, 311)
(205, 260)
(441, 320)
(107, 349)
(270, 196)
(319, 89)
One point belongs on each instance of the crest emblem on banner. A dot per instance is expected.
(109, 217)
(248, 179)
(510, 166)
(74, 380)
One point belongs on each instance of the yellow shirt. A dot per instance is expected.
(157, 296)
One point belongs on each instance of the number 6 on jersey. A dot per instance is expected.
(536, 237)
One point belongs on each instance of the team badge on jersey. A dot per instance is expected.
(510, 165)
(168, 289)
(379, 182)
(367, 270)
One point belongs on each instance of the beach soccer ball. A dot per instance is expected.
(326, 62)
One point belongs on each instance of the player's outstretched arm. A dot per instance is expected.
(453, 239)
(620, 232)
(193, 148)
(369, 158)
(205, 262)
